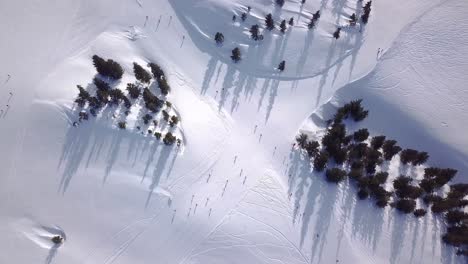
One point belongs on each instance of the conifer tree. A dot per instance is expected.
(254, 32)
(244, 16)
(107, 68)
(283, 26)
(280, 2)
(291, 22)
(236, 55)
(352, 19)
(270, 23)
(141, 74)
(219, 38)
(336, 34)
(282, 65)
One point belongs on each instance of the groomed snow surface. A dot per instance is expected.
(117, 196)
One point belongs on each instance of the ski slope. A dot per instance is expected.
(121, 197)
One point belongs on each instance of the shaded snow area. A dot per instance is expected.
(235, 191)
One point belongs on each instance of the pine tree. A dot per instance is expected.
(320, 161)
(302, 140)
(133, 90)
(311, 24)
(336, 34)
(283, 26)
(219, 38)
(158, 73)
(303, 1)
(141, 74)
(107, 68)
(367, 10)
(291, 22)
(100, 84)
(316, 16)
(352, 19)
(236, 55)
(244, 16)
(254, 30)
(282, 65)
(280, 2)
(270, 23)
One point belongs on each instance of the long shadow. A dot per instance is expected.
(52, 254)
(359, 39)
(228, 82)
(328, 199)
(113, 153)
(324, 77)
(367, 222)
(158, 171)
(209, 72)
(280, 49)
(303, 56)
(400, 227)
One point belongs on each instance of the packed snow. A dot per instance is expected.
(235, 191)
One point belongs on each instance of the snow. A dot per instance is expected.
(121, 197)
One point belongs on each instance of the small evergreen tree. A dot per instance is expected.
(107, 68)
(122, 125)
(377, 142)
(169, 139)
(352, 19)
(282, 65)
(280, 2)
(254, 32)
(312, 148)
(283, 26)
(419, 212)
(320, 161)
(244, 16)
(141, 74)
(361, 135)
(174, 121)
(133, 90)
(219, 38)
(302, 140)
(236, 55)
(158, 73)
(335, 175)
(303, 1)
(100, 84)
(405, 205)
(311, 24)
(270, 23)
(336, 34)
(316, 15)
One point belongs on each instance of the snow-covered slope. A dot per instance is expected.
(121, 197)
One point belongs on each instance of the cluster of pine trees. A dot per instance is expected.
(358, 160)
(105, 95)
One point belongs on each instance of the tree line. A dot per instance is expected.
(110, 71)
(358, 155)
